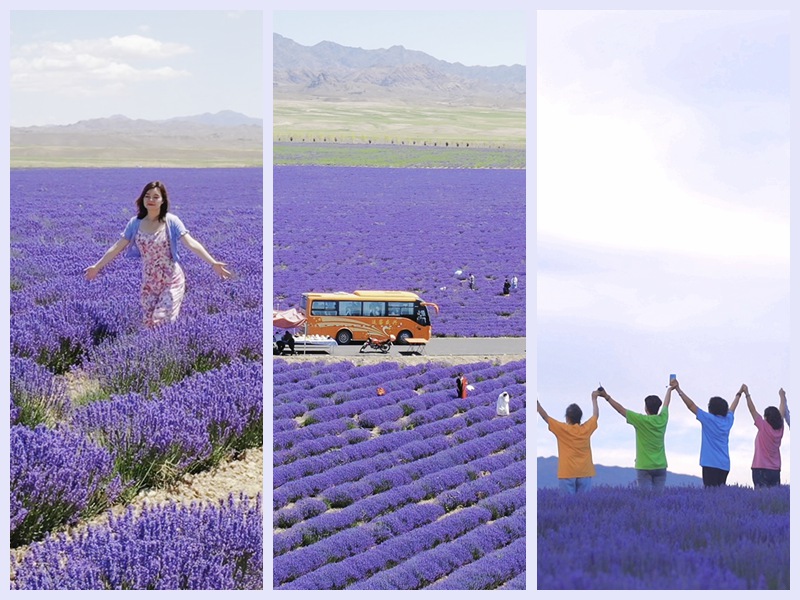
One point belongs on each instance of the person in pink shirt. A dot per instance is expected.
(767, 458)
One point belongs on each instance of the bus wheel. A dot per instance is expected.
(403, 336)
(344, 337)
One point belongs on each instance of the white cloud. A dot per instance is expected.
(602, 180)
(95, 66)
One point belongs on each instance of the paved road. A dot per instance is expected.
(443, 347)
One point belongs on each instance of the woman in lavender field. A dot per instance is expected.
(155, 232)
(716, 423)
(766, 465)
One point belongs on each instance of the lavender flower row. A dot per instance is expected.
(471, 450)
(489, 572)
(190, 424)
(346, 455)
(470, 492)
(169, 547)
(57, 477)
(353, 541)
(39, 396)
(292, 491)
(303, 509)
(284, 437)
(148, 361)
(396, 549)
(427, 567)
(359, 507)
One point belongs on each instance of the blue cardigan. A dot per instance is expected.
(175, 229)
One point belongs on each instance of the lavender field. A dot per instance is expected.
(729, 538)
(102, 409)
(408, 489)
(348, 228)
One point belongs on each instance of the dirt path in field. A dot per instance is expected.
(243, 475)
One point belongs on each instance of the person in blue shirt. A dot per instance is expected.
(153, 234)
(716, 423)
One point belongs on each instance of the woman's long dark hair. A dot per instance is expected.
(142, 209)
(773, 416)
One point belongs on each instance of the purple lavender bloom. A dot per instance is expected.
(57, 477)
(39, 396)
(745, 546)
(170, 547)
(489, 572)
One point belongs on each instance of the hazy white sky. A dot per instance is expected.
(663, 219)
(471, 37)
(72, 65)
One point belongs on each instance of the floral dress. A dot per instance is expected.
(163, 282)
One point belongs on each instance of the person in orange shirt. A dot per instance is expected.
(575, 465)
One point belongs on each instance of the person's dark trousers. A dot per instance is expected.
(766, 477)
(713, 477)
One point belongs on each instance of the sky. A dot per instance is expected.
(67, 66)
(471, 37)
(662, 220)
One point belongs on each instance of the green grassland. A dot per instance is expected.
(95, 157)
(397, 135)
(397, 155)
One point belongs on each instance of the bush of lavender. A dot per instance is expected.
(188, 427)
(686, 538)
(57, 477)
(170, 547)
(39, 396)
(346, 228)
(435, 493)
(146, 362)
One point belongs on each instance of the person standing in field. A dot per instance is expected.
(514, 283)
(506, 287)
(471, 279)
(766, 465)
(575, 465)
(651, 456)
(153, 235)
(716, 428)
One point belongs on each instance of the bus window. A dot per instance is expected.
(323, 307)
(401, 309)
(349, 308)
(374, 309)
(422, 316)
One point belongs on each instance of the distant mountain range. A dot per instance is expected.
(329, 71)
(225, 138)
(547, 470)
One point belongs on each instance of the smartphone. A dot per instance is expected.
(672, 376)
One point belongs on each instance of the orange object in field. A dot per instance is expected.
(363, 314)
(381, 391)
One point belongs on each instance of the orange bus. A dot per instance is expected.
(346, 317)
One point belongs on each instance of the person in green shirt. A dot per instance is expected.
(651, 457)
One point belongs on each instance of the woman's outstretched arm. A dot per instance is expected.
(197, 248)
(120, 245)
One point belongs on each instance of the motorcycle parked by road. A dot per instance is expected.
(382, 344)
